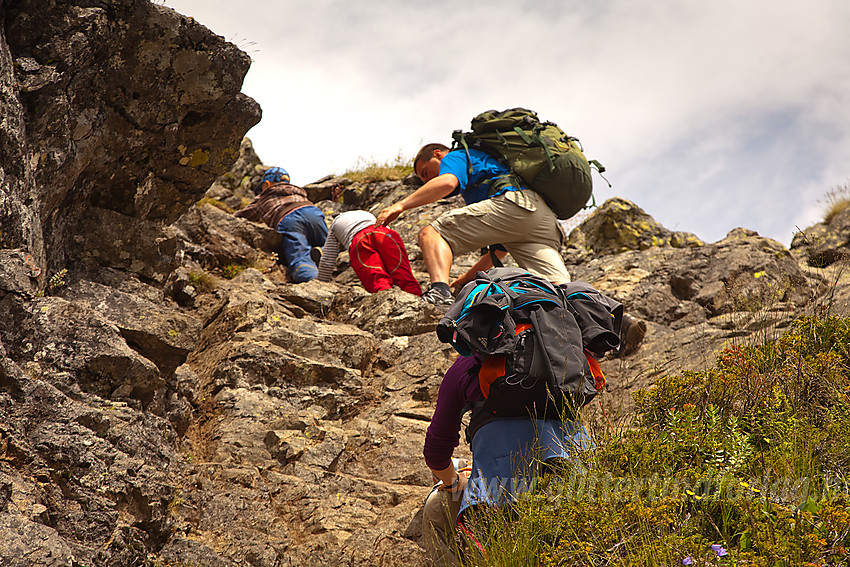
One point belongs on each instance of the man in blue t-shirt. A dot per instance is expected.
(497, 211)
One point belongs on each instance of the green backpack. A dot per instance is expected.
(545, 159)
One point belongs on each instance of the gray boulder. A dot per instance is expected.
(826, 242)
(101, 150)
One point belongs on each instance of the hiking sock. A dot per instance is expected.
(442, 287)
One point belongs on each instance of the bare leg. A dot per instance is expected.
(436, 253)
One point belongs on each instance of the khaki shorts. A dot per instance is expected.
(519, 220)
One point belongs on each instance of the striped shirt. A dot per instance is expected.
(342, 231)
(274, 203)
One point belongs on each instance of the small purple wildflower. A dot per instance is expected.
(718, 549)
(687, 561)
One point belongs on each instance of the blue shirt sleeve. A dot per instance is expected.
(472, 171)
(456, 164)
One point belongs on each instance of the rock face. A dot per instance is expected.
(167, 397)
(98, 152)
(696, 299)
(826, 242)
(620, 226)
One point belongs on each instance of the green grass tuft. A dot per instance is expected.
(215, 203)
(369, 171)
(203, 281)
(750, 456)
(836, 201)
(230, 271)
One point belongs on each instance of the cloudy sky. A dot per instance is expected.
(708, 115)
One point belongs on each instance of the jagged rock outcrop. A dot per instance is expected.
(619, 226)
(696, 299)
(100, 157)
(89, 481)
(826, 242)
(167, 397)
(96, 161)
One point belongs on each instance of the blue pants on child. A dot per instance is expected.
(302, 229)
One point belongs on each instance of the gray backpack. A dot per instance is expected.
(538, 343)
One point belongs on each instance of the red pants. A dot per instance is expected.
(380, 260)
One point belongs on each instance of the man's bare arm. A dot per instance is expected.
(436, 189)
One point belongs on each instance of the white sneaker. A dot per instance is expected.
(434, 297)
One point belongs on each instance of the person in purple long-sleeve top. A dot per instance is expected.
(459, 386)
(497, 448)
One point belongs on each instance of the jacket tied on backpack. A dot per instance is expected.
(538, 343)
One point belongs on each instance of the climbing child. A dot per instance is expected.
(285, 208)
(377, 253)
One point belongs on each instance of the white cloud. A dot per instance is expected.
(710, 115)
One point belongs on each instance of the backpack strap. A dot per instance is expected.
(537, 140)
(600, 169)
(493, 258)
(460, 139)
(499, 182)
(595, 371)
(525, 137)
(473, 370)
(477, 419)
